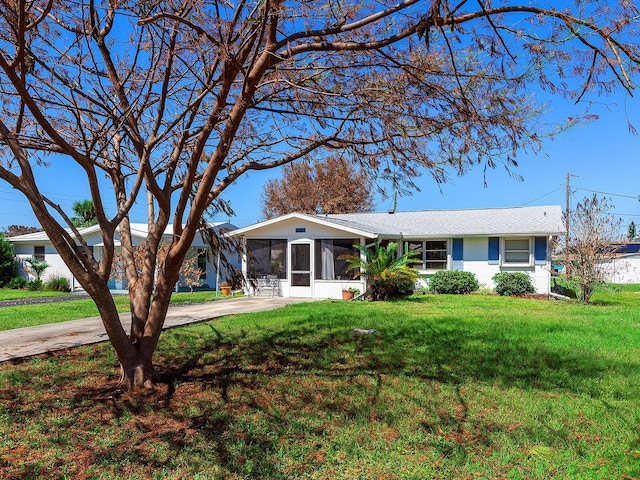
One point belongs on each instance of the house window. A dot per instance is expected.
(202, 262)
(432, 254)
(329, 265)
(267, 257)
(516, 251)
(418, 260)
(436, 254)
(38, 253)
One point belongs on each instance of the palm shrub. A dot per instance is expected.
(36, 267)
(388, 274)
(513, 283)
(453, 281)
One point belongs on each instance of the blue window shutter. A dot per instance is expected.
(540, 250)
(457, 254)
(494, 251)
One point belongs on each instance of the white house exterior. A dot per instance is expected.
(624, 266)
(302, 250)
(37, 245)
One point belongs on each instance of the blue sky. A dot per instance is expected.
(603, 156)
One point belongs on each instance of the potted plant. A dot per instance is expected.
(349, 293)
(225, 288)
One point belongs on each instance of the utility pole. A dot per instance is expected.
(567, 212)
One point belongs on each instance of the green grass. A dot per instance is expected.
(42, 314)
(11, 294)
(448, 387)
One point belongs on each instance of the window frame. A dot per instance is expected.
(422, 262)
(447, 246)
(37, 256)
(504, 250)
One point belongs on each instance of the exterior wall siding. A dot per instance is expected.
(624, 269)
(57, 267)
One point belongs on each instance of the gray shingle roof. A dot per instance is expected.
(544, 220)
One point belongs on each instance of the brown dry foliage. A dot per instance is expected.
(333, 185)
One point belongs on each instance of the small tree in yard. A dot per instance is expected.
(593, 231)
(191, 274)
(171, 103)
(36, 267)
(7, 261)
(388, 274)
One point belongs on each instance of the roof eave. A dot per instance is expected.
(301, 216)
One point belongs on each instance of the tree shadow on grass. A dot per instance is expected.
(233, 398)
(440, 350)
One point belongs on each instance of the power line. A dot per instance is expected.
(542, 196)
(608, 193)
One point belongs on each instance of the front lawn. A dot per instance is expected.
(447, 387)
(45, 313)
(15, 294)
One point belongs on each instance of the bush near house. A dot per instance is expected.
(513, 284)
(58, 284)
(35, 285)
(388, 274)
(7, 261)
(17, 283)
(453, 281)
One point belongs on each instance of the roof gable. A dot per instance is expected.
(304, 218)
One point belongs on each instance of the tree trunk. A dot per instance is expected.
(137, 373)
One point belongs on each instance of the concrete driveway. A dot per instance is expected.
(25, 342)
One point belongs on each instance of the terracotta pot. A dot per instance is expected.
(347, 295)
(226, 291)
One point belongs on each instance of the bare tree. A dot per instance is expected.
(181, 99)
(330, 186)
(591, 243)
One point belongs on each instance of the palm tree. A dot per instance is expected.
(85, 214)
(388, 274)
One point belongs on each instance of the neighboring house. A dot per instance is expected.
(302, 251)
(37, 245)
(624, 265)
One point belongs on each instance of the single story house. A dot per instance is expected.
(38, 246)
(301, 253)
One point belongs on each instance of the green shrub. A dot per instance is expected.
(388, 274)
(17, 283)
(453, 281)
(58, 284)
(35, 285)
(7, 261)
(513, 283)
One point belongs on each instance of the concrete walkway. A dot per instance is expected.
(25, 342)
